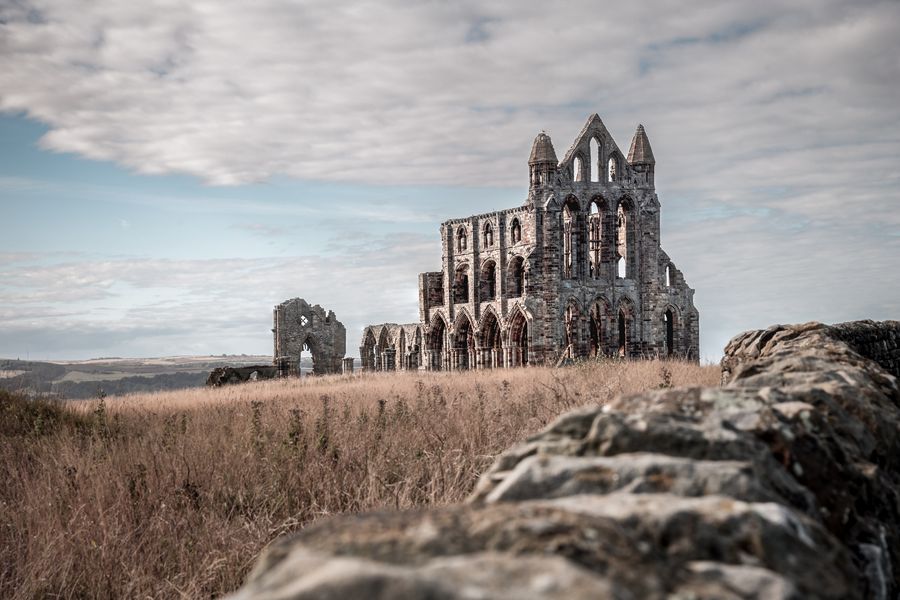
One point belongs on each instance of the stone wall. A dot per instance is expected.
(299, 327)
(782, 483)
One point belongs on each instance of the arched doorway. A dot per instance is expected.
(307, 357)
(435, 347)
(518, 340)
(367, 352)
(464, 344)
(491, 341)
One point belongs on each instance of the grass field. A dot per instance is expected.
(175, 494)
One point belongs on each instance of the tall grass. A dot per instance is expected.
(174, 494)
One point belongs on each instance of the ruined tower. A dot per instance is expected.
(576, 272)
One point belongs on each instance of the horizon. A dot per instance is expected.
(163, 188)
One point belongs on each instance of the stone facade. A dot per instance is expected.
(577, 271)
(298, 327)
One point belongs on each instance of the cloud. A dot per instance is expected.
(162, 307)
(774, 127)
(451, 95)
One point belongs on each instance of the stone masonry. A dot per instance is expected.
(576, 272)
(299, 327)
(784, 483)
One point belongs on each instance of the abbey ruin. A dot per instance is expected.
(577, 271)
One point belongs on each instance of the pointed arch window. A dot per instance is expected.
(462, 240)
(595, 238)
(461, 284)
(488, 235)
(515, 231)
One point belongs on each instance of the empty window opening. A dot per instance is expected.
(462, 240)
(304, 320)
(623, 242)
(572, 331)
(516, 277)
(572, 251)
(623, 333)
(595, 160)
(595, 326)
(488, 235)
(461, 284)
(516, 232)
(577, 168)
(488, 284)
(669, 322)
(595, 228)
(464, 344)
(612, 168)
(668, 276)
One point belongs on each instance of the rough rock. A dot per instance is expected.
(782, 483)
(228, 375)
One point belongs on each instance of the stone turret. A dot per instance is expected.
(542, 162)
(640, 157)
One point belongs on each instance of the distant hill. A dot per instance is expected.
(116, 376)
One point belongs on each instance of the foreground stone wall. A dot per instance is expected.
(782, 483)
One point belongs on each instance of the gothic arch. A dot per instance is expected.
(598, 326)
(463, 334)
(461, 284)
(367, 351)
(487, 281)
(572, 221)
(436, 343)
(670, 319)
(572, 329)
(515, 231)
(596, 219)
(490, 337)
(515, 277)
(518, 336)
(625, 328)
(626, 238)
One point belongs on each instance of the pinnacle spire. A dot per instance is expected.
(640, 152)
(542, 150)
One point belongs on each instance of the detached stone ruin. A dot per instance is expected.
(297, 328)
(576, 272)
(783, 483)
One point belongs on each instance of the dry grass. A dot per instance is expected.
(175, 494)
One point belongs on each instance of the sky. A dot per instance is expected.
(170, 171)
